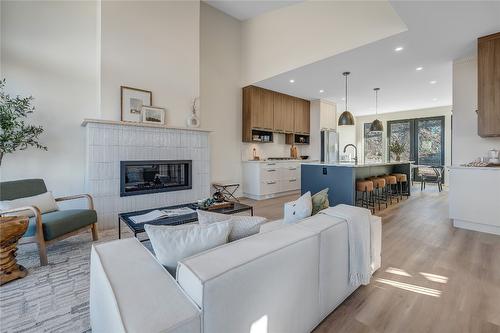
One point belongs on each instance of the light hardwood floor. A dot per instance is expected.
(434, 277)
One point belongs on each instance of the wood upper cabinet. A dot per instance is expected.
(301, 116)
(279, 112)
(271, 111)
(488, 48)
(260, 107)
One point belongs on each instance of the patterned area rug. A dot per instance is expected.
(53, 298)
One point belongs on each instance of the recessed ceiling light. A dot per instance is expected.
(419, 68)
(433, 82)
(321, 91)
(434, 99)
(343, 98)
(292, 80)
(399, 48)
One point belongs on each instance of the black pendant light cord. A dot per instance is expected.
(346, 92)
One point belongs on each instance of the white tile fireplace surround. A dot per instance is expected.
(109, 142)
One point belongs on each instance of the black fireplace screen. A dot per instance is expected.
(142, 177)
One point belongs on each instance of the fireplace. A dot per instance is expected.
(144, 177)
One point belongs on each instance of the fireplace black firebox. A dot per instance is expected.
(143, 177)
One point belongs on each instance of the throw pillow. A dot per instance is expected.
(320, 201)
(174, 243)
(242, 226)
(299, 209)
(45, 202)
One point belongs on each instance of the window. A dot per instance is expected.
(373, 145)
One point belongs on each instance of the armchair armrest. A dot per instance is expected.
(34, 209)
(38, 217)
(90, 201)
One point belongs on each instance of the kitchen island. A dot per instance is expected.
(341, 178)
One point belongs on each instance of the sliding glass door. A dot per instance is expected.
(420, 140)
(430, 141)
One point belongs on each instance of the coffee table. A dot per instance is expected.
(138, 228)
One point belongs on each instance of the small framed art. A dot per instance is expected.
(132, 101)
(153, 115)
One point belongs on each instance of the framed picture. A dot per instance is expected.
(132, 101)
(153, 115)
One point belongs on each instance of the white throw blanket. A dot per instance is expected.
(359, 240)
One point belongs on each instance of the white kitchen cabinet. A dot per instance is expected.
(473, 198)
(266, 179)
(327, 115)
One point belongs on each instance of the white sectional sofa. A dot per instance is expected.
(287, 278)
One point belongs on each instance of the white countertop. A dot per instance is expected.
(463, 167)
(281, 161)
(360, 165)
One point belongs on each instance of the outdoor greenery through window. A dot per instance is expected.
(420, 140)
(374, 149)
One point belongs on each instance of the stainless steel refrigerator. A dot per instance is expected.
(329, 146)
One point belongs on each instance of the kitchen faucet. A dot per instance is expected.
(355, 152)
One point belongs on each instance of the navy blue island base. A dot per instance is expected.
(341, 178)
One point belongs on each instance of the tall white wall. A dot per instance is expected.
(152, 45)
(64, 52)
(221, 97)
(50, 50)
(467, 144)
(297, 35)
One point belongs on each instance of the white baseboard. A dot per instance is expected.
(490, 229)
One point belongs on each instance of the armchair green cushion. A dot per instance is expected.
(61, 222)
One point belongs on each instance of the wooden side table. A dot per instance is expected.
(12, 229)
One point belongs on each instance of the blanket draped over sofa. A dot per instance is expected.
(358, 228)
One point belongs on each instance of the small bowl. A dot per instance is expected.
(304, 157)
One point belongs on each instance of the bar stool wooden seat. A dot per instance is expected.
(379, 189)
(401, 180)
(390, 182)
(367, 198)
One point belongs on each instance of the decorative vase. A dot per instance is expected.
(398, 158)
(193, 120)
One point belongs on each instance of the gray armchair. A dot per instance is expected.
(47, 228)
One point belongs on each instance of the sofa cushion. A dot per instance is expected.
(241, 225)
(299, 209)
(61, 222)
(45, 202)
(320, 201)
(269, 279)
(174, 243)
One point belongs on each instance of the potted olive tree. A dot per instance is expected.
(15, 133)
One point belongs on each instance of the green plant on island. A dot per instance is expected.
(15, 133)
(397, 148)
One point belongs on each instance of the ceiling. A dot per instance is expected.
(246, 9)
(438, 33)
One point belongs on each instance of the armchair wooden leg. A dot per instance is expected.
(95, 235)
(42, 251)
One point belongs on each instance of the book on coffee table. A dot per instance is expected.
(161, 214)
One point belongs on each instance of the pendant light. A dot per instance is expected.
(376, 125)
(346, 118)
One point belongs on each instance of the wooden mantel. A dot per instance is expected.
(137, 124)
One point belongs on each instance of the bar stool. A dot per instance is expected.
(390, 181)
(401, 179)
(379, 190)
(366, 189)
